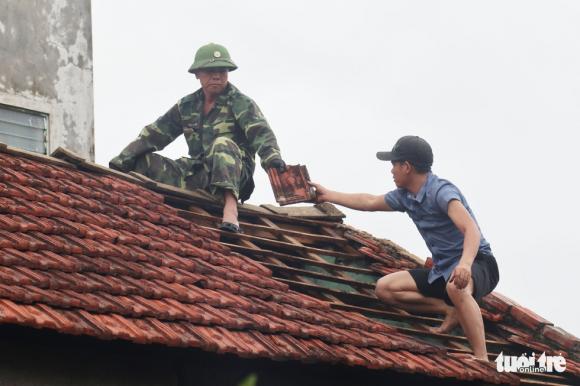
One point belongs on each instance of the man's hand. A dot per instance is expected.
(322, 194)
(279, 164)
(461, 275)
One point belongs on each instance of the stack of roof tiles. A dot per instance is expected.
(94, 254)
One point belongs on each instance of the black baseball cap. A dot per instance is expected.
(409, 148)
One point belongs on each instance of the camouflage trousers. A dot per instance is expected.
(221, 169)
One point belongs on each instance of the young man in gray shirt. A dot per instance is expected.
(464, 269)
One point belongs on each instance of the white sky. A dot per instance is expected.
(494, 86)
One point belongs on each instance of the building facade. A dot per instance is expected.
(46, 75)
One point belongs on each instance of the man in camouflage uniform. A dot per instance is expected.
(224, 129)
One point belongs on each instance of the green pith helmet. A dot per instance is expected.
(211, 56)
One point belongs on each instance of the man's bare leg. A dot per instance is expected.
(434, 306)
(469, 316)
(230, 213)
(399, 290)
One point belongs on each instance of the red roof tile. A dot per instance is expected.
(528, 318)
(561, 337)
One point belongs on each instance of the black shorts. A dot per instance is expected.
(484, 273)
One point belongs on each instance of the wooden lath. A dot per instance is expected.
(339, 276)
(296, 252)
(264, 230)
(260, 254)
(290, 246)
(316, 275)
(249, 244)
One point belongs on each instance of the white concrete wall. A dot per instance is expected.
(46, 65)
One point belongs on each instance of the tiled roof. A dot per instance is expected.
(86, 250)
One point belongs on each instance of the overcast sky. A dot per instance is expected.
(494, 86)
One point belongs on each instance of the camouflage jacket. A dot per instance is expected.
(234, 115)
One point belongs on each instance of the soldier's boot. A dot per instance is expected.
(225, 164)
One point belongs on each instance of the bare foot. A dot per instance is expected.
(448, 324)
(478, 359)
(471, 357)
